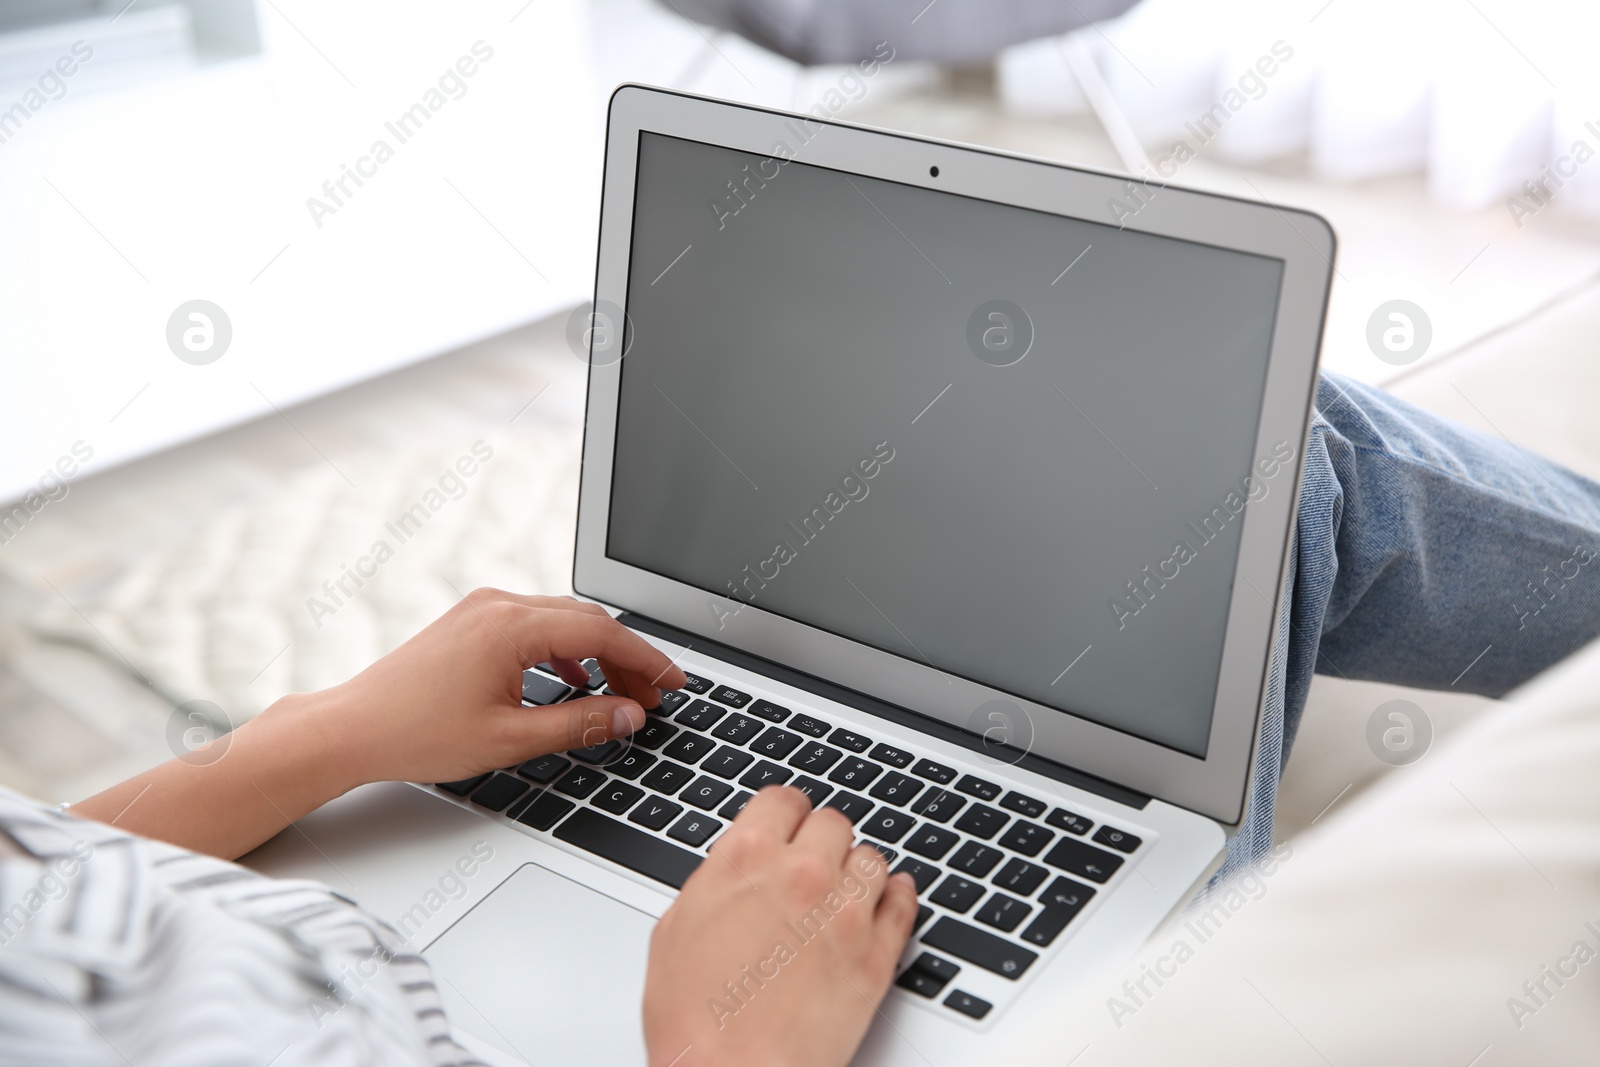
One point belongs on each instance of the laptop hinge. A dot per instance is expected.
(884, 710)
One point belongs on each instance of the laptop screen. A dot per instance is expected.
(1012, 445)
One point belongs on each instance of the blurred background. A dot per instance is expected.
(268, 268)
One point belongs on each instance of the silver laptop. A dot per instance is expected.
(961, 486)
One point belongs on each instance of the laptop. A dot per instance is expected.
(961, 486)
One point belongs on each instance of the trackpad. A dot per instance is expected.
(547, 970)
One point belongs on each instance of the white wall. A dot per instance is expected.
(118, 205)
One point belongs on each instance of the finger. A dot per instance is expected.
(866, 862)
(826, 831)
(577, 634)
(776, 811)
(570, 671)
(891, 925)
(629, 684)
(490, 605)
(574, 724)
(534, 600)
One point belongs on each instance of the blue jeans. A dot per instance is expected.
(1425, 554)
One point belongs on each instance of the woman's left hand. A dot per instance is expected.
(447, 704)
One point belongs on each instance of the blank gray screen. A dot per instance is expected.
(794, 328)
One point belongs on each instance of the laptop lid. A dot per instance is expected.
(1010, 444)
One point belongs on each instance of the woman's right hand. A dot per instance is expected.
(780, 946)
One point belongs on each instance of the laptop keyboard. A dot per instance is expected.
(1000, 874)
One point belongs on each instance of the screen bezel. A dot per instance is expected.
(1213, 785)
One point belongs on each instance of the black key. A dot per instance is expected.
(922, 873)
(1028, 838)
(808, 725)
(815, 757)
(1020, 876)
(541, 689)
(924, 913)
(1022, 805)
(894, 757)
(979, 947)
(655, 813)
(920, 982)
(546, 810)
(975, 859)
(666, 777)
(766, 709)
(737, 729)
(465, 785)
(1002, 912)
(1062, 819)
(689, 748)
(896, 788)
(729, 696)
(671, 701)
(701, 715)
(936, 772)
(982, 821)
(726, 762)
(697, 684)
(957, 893)
(937, 805)
(765, 773)
(815, 791)
(705, 794)
(654, 733)
(618, 797)
(579, 782)
(499, 792)
(543, 769)
(854, 772)
(732, 808)
(551, 671)
(519, 806)
(1065, 893)
(775, 743)
(935, 967)
(931, 841)
(1085, 861)
(853, 806)
(845, 739)
(1062, 902)
(631, 764)
(886, 824)
(694, 829)
(596, 754)
(978, 787)
(967, 1004)
(627, 847)
(1120, 840)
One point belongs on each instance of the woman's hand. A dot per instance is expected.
(781, 945)
(445, 705)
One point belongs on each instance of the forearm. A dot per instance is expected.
(226, 799)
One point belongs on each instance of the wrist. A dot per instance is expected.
(312, 730)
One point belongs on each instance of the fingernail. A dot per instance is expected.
(625, 719)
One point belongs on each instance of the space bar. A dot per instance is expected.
(633, 849)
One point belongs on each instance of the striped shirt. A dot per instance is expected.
(118, 951)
